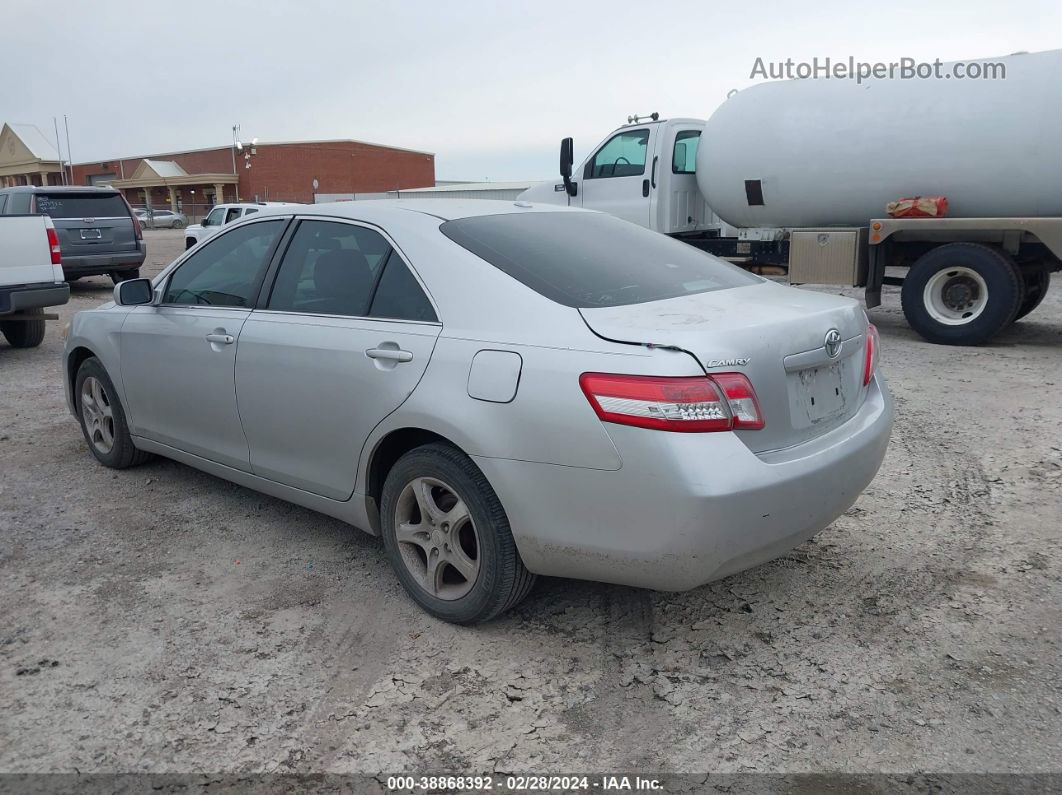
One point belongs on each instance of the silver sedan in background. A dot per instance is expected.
(499, 390)
(166, 219)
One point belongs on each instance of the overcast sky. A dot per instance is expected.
(489, 87)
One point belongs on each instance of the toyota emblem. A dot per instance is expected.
(833, 343)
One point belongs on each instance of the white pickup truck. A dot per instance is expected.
(31, 277)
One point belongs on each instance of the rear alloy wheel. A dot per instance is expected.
(1037, 280)
(24, 333)
(448, 538)
(103, 419)
(961, 294)
(177, 225)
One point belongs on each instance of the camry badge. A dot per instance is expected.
(739, 362)
(833, 343)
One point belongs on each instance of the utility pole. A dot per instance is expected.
(59, 149)
(235, 143)
(69, 157)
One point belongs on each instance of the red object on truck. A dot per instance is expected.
(918, 207)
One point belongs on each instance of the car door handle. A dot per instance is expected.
(221, 339)
(645, 187)
(391, 354)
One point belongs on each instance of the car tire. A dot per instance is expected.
(961, 294)
(177, 225)
(123, 276)
(477, 540)
(24, 333)
(102, 418)
(1036, 280)
(189, 242)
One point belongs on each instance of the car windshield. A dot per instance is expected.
(81, 205)
(590, 260)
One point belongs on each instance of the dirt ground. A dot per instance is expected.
(158, 619)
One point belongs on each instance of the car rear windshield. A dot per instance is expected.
(81, 205)
(590, 260)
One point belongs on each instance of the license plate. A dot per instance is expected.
(91, 234)
(821, 391)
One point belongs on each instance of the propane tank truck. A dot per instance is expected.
(796, 176)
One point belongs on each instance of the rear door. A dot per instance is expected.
(88, 223)
(341, 342)
(178, 357)
(617, 178)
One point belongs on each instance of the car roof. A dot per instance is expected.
(443, 209)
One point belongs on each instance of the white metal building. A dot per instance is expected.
(505, 191)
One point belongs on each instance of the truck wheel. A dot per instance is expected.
(448, 538)
(124, 276)
(103, 418)
(189, 242)
(1036, 280)
(24, 333)
(961, 294)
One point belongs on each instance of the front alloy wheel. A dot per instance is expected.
(103, 419)
(97, 415)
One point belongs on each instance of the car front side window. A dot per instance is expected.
(228, 270)
(623, 155)
(214, 219)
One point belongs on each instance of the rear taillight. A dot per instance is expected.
(53, 245)
(741, 398)
(138, 230)
(701, 404)
(870, 363)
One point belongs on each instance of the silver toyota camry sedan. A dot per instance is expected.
(499, 390)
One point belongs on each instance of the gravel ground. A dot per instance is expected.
(159, 619)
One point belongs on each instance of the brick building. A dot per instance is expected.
(194, 180)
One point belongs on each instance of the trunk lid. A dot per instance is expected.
(89, 223)
(775, 335)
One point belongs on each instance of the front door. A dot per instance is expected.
(617, 178)
(178, 357)
(342, 341)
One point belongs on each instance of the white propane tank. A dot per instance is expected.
(832, 152)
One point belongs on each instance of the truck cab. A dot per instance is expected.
(644, 172)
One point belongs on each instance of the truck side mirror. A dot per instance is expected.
(567, 159)
(133, 292)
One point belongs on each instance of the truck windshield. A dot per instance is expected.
(81, 205)
(588, 260)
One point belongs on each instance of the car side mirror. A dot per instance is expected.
(133, 292)
(567, 160)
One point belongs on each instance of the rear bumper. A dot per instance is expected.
(94, 264)
(686, 509)
(32, 296)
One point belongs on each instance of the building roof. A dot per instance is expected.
(166, 168)
(35, 141)
(260, 143)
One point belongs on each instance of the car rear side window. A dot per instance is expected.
(3, 202)
(228, 270)
(587, 260)
(329, 268)
(81, 205)
(399, 295)
(333, 268)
